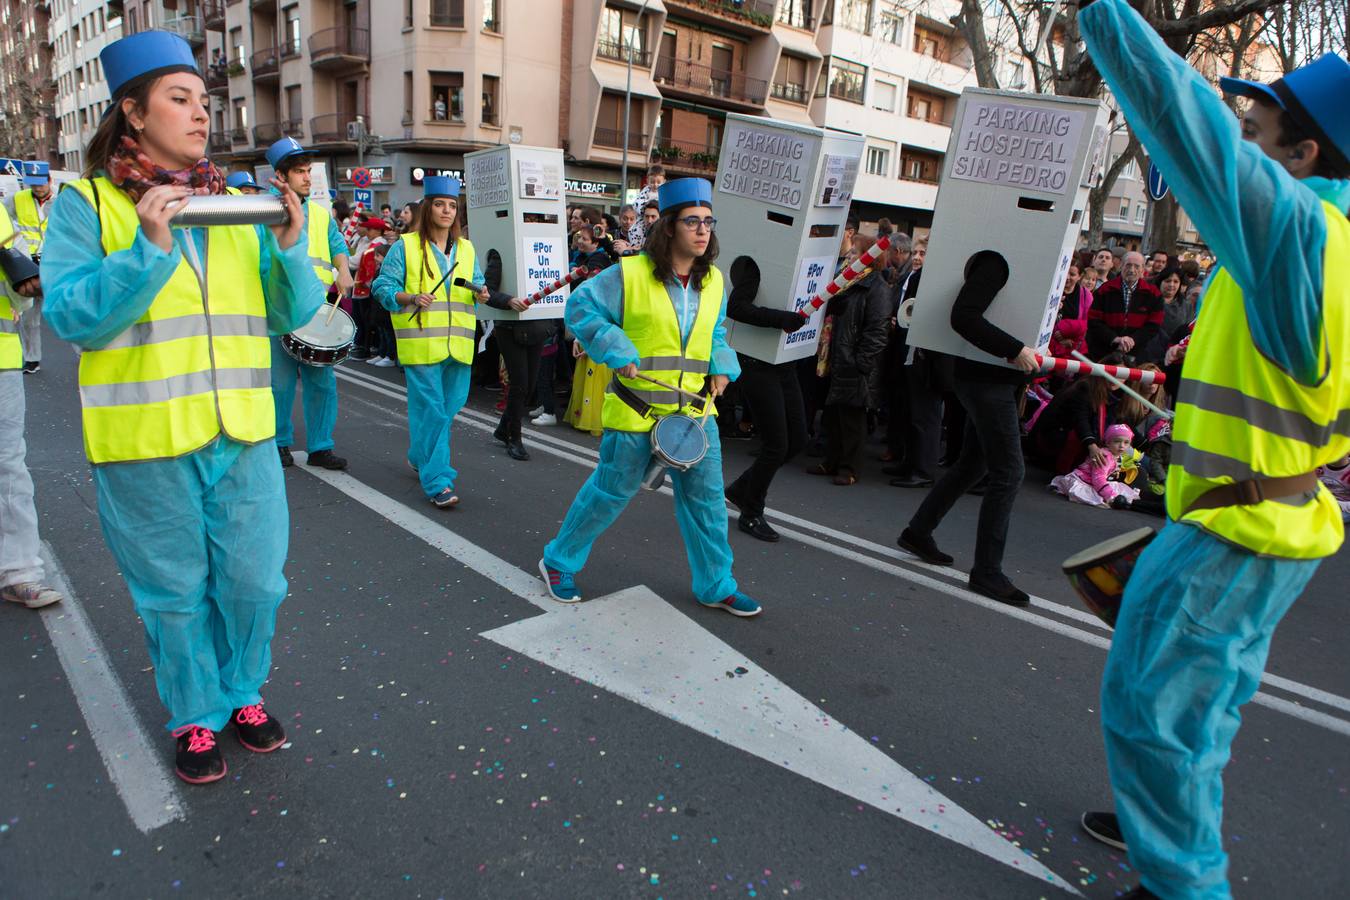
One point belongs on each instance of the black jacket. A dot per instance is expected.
(741, 300)
(861, 324)
(986, 274)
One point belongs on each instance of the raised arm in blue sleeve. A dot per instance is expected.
(393, 272)
(292, 291)
(1264, 226)
(724, 361)
(593, 314)
(89, 298)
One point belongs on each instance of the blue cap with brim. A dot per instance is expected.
(440, 186)
(284, 149)
(684, 192)
(36, 173)
(146, 54)
(240, 180)
(1316, 96)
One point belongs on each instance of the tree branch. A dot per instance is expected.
(1213, 18)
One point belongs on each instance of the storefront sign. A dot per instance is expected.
(418, 174)
(607, 189)
(378, 175)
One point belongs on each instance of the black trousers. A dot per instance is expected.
(522, 369)
(992, 444)
(923, 430)
(774, 396)
(845, 431)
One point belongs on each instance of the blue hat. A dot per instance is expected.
(146, 54)
(240, 180)
(283, 150)
(684, 192)
(1316, 96)
(440, 186)
(36, 173)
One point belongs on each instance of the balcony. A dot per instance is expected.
(189, 28)
(266, 64)
(747, 15)
(685, 156)
(293, 128)
(799, 13)
(702, 81)
(290, 49)
(213, 15)
(219, 142)
(266, 134)
(239, 135)
(613, 137)
(263, 5)
(330, 128)
(791, 93)
(217, 80)
(339, 48)
(618, 52)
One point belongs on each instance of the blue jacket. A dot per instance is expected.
(394, 271)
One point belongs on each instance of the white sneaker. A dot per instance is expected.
(386, 363)
(535, 413)
(31, 594)
(545, 419)
(374, 360)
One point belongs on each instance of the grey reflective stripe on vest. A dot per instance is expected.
(160, 331)
(450, 331)
(672, 363)
(8, 326)
(174, 387)
(1264, 415)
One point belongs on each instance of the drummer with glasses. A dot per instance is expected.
(328, 255)
(659, 313)
(174, 383)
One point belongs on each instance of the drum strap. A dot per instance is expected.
(1253, 491)
(636, 403)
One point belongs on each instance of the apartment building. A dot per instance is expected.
(28, 127)
(1126, 212)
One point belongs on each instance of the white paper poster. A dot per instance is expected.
(539, 180)
(489, 182)
(543, 261)
(837, 177)
(814, 275)
(1001, 141)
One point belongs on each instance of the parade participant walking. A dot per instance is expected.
(31, 208)
(659, 312)
(434, 324)
(20, 566)
(174, 386)
(243, 183)
(1266, 384)
(328, 256)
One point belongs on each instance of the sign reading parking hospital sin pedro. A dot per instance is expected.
(1001, 141)
(769, 166)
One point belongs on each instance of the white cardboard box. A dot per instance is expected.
(516, 207)
(781, 197)
(1015, 180)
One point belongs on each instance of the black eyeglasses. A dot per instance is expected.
(693, 222)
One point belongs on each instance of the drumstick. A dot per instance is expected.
(571, 277)
(417, 316)
(1051, 364)
(1166, 414)
(845, 279)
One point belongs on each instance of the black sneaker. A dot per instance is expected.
(257, 729)
(756, 527)
(199, 760)
(924, 547)
(32, 367)
(1104, 827)
(516, 450)
(327, 459)
(1000, 589)
(286, 459)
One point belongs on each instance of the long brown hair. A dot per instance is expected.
(423, 226)
(658, 249)
(115, 126)
(1131, 411)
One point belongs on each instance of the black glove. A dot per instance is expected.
(792, 321)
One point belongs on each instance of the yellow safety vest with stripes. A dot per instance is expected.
(446, 329)
(196, 364)
(32, 225)
(11, 353)
(316, 228)
(1242, 417)
(650, 321)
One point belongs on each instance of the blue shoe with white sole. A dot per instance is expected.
(738, 604)
(561, 586)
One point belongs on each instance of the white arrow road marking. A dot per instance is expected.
(136, 771)
(639, 647)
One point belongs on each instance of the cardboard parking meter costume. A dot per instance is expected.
(517, 210)
(1015, 180)
(782, 195)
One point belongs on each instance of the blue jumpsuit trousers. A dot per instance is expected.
(436, 394)
(320, 399)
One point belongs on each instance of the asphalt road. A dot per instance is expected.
(452, 734)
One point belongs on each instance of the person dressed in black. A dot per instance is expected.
(521, 345)
(774, 395)
(992, 443)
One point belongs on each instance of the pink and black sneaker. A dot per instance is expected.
(199, 760)
(257, 729)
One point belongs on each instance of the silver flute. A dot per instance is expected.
(230, 209)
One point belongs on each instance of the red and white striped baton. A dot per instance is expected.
(844, 279)
(571, 277)
(1063, 366)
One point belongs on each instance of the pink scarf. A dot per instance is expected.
(132, 171)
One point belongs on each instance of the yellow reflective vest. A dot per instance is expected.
(1241, 417)
(31, 224)
(11, 353)
(446, 329)
(316, 231)
(198, 362)
(651, 323)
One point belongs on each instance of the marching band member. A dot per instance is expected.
(243, 183)
(174, 384)
(434, 324)
(31, 207)
(327, 250)
(660, 311)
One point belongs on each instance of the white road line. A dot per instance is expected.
(136, 770)
(1099, 637)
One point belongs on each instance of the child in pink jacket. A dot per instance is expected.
(1091, 482)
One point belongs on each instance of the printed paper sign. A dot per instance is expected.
(814, 275)
(769, 166)
(489, 181)
(538, 180)
(543, 261)
(1003, 141)
(837, 177)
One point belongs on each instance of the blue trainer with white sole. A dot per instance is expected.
(561, 586)
(738, 604)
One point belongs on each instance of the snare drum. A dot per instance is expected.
(678, 442)
(321, 342)
(1099, 573)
